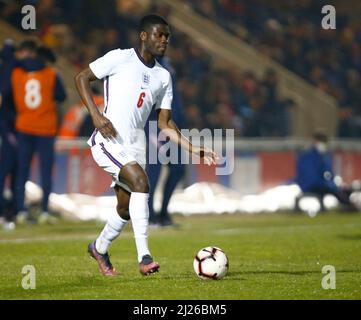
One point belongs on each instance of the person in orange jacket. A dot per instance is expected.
(36, 89)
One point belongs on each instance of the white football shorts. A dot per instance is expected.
(112, 157)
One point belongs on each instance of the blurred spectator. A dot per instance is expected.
(36, 90)
(8, 151)
(110, 41)
(274, 114)
(315, 173)
(11, 58)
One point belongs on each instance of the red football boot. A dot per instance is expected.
(148, 266)
(105, 267)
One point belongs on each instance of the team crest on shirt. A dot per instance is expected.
(146, 79)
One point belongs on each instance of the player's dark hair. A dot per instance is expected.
(320, 136)
(28, 45)
(150, 20)
(46, 54)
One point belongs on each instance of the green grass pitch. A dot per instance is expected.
(272, 256)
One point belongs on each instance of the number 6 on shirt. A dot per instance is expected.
(141, 100)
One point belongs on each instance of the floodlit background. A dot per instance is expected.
(266, 69)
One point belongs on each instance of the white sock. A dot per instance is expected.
(111, 231)
(139, 214)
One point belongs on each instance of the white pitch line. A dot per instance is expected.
(279, 229)
(72, 237)
(53, 238)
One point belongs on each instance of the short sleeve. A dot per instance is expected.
(107, 64)
(166, 96)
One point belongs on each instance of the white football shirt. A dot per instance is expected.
(131, 89)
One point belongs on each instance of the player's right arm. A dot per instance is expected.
(103, 124)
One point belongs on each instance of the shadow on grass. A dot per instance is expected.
(350, 236)
(240, 275)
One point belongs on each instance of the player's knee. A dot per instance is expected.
(123, 212)
(140, 184)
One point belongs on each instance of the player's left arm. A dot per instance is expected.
(169, 128)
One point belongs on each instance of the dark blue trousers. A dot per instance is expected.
(176, 172)
(8, 161)
(43, 146)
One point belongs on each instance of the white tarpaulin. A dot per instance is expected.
(200, 198)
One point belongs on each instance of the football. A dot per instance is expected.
(211, 263)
